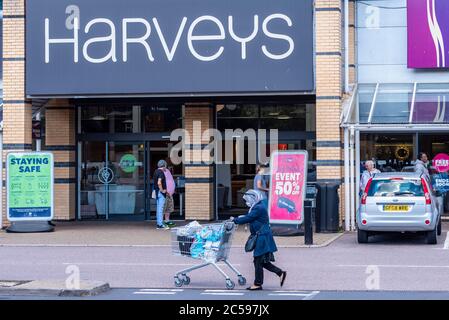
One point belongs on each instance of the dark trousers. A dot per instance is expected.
(259, 264)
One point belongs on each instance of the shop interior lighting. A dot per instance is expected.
(98, 118)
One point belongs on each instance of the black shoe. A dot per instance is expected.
(254, 289)
(283, 276)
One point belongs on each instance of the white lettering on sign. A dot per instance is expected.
(145, 40)
(287, 183)
(288, 176)
(442, 182)
(243, 41)
(442, 162)
(278, 36)
(191, 38)
(73, 40)
(141, 40)
(170, 52)
(111, 38)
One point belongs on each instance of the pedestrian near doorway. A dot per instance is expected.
(367, 174)
(258, 220)
(261, 180)
(169, 206)
(422, 165)
(160, 191)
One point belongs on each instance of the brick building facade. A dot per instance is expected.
(62, 115)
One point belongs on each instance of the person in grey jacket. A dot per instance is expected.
(421, 165)
(367, 174)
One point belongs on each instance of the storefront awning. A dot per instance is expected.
(398, 106)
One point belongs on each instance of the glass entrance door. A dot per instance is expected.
(112, 184)
(160, 150)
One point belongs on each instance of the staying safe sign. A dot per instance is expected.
(29, 186)
(288, 180)
(169, 47)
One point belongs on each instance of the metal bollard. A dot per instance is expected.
(308, 225)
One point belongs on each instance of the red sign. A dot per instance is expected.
(441, 162)
(283, 146)
(287, 186)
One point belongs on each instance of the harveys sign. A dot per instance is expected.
(158, 47)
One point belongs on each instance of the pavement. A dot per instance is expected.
(53, 288)
(120, 233)
(244, 295)
(391, 266)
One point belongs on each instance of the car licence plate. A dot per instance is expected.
(396, 208)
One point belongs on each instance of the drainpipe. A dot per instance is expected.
(347, 191)
(357, 169)
(1, 170)
(352, 177)
(38, 141)
(346, 31)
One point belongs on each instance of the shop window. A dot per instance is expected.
(162, 118)
(231, 116)
(234, 179)
(130, 118)
(390, 152)
(284, 117)
(110, 119)
(238, 111)
(434, 144)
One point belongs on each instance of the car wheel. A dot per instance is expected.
(439, 228)
(362, 236)
(431, 236)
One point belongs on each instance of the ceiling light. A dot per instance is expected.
(98, 118)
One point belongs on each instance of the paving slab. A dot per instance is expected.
(142, 233)
(52, 288)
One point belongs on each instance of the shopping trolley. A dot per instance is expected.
(210, 243)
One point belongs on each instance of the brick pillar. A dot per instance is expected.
(352, 47)
(17, 111)
(60, 140)
(199, 175)
(329, 81)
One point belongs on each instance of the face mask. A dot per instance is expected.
(249, 200)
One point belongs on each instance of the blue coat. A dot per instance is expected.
(258, 220)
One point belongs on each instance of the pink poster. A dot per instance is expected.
(287, 186)
(441, 162)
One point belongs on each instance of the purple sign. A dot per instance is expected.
(428, 33)
(431, 109)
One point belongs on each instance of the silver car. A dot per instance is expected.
(399, 202)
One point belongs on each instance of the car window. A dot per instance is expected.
(391, 188)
